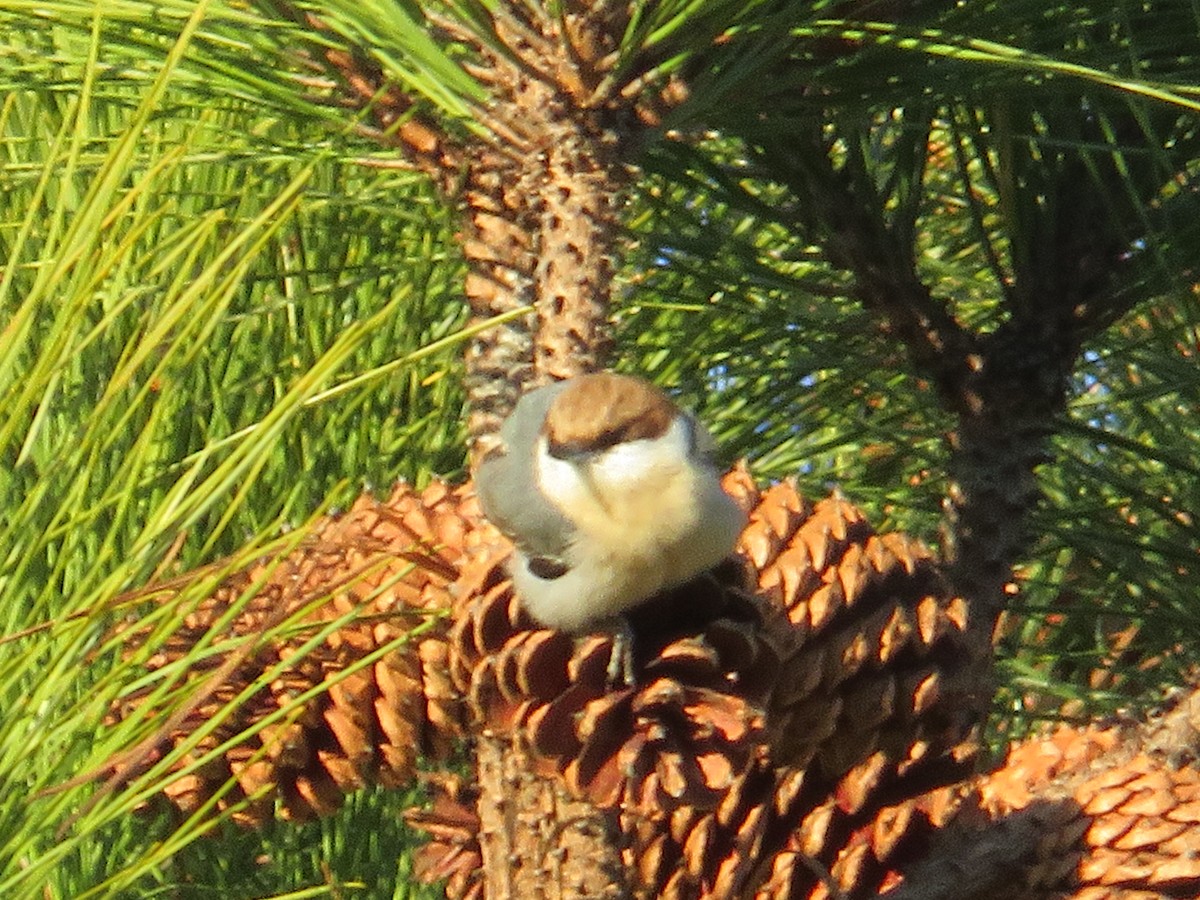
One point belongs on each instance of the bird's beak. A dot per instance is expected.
(584, 467)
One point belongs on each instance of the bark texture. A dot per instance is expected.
(540, 196)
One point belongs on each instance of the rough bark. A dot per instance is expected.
(543, 234)
(537, 840)
(575, 266)
(538, 197)
(501, 253)
(1007, 408)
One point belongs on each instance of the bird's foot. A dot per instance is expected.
(620, 663)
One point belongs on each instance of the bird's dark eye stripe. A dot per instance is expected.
(610, 438)
(567, 449)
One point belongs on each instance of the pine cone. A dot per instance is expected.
(678, 735)
(787, 726)
(387, 569)
(776, 742)
(876, 698)
(879, 654)
(780, 745)
(1128, 821)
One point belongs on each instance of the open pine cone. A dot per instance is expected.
(799, 725)
(386, 569)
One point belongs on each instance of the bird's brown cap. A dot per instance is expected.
(599, 411)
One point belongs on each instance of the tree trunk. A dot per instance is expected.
(538, 841)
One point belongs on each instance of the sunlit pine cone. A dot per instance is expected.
(875, 701)
(878, 657)
(785, 833)
(678, 735)
(1120, 822)
(772, 749)
(780, 835)
(857, 632)
(386, 567)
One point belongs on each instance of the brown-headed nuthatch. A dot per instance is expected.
(610, 494)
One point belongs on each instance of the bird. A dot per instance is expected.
(610, 494)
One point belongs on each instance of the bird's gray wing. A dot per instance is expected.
(507, 487)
